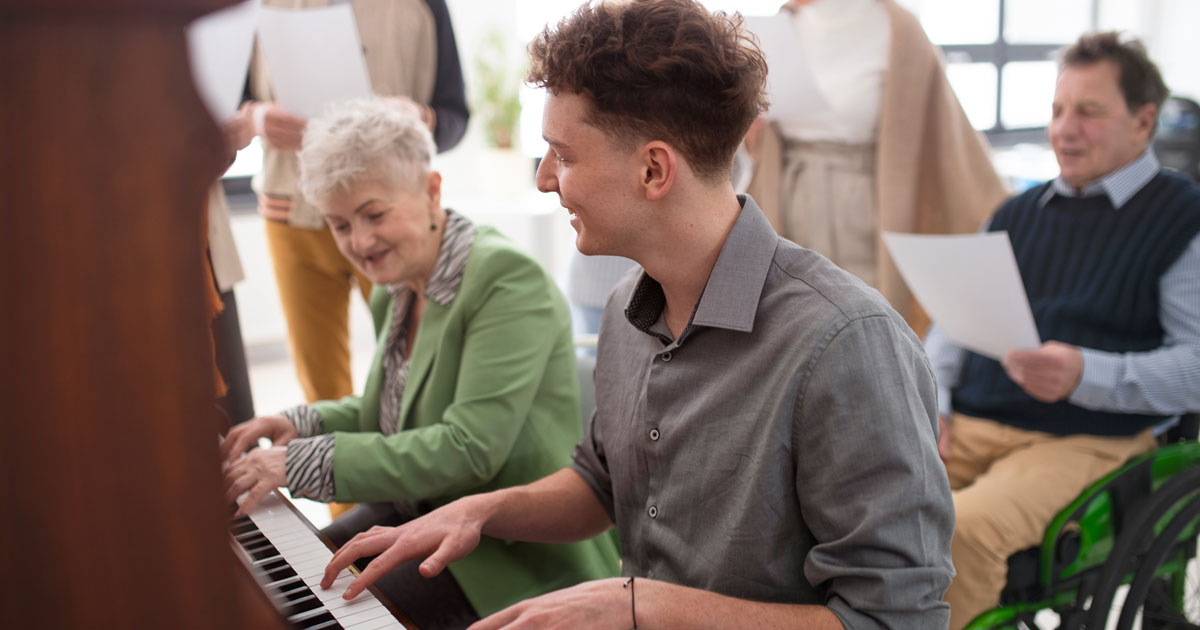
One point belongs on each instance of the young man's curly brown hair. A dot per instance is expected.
(658, 70)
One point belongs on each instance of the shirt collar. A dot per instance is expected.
(730, 298)
(451, 261)
(1119, 186)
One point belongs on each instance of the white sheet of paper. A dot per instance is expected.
(970, 286)
(219, 47)
(790, 85)
(314, 57)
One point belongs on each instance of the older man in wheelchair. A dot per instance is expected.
(1110, 257)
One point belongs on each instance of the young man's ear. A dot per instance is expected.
(660, 164)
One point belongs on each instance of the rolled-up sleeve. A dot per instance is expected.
(876, 498)
(590, 464)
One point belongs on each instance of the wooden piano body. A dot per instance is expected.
(112, 508)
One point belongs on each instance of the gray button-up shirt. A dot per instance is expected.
(783, 448)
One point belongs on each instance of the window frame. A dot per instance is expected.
(999, 53)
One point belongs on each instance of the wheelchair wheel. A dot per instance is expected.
(1161, 595)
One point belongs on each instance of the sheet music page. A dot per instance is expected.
(219, 47)
(314, 57)
(790, 84)
(970, 286)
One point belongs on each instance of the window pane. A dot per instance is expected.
(958, 22)
(1121, 15)
(1046, 21)
(975, 86)
(1028, 93)
(745, 7)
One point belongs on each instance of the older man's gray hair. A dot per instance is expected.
(384, 140)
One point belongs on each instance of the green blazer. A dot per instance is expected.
(491, 401)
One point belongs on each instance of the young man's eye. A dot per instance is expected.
(341, 228)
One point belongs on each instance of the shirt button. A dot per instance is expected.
(653, 511)
(654, 434)
(666, 356)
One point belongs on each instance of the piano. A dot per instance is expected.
(287, 557)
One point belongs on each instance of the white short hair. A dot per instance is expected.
(364, 138)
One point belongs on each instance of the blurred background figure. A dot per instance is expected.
(894, 151)
(410, 52)
(589, 281)
(224, 268)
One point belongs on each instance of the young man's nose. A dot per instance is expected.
(546, 179)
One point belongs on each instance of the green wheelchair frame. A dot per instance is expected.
(1135, 528)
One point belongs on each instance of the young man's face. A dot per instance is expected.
(595, 179)
(1092, 131)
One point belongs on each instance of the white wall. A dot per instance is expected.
(1174, 43)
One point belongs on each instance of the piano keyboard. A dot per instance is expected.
(288, 558)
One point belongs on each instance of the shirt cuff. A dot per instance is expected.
(1101, 375)
(309, 465)
(306, 420)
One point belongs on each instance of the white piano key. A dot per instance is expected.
(335, 591)
(344, 608)
(365, 615)
(306, 554)
(381, 623)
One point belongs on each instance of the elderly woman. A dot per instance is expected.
(472, 387)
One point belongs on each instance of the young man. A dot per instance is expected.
(1109, 255)
(764, 432)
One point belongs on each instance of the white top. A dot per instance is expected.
(846, 44)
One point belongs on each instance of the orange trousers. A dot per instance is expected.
(315, 284)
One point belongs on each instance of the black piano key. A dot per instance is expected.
(292, 593)
(259, 552)
(295, 607)
(271, 563)
(324, 622)
(278, 573)
(267, 560)
(285, 582)
(299, 618)
(242, 525)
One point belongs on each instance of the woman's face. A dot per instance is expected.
(384, 229)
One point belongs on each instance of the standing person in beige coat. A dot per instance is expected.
(894, 152)
(410, 53)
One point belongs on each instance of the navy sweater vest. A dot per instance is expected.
(1092, 276)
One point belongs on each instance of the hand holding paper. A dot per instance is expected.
(280, 129)
(1049, 373)
(314, 57)
(970, 285)
(219, 46)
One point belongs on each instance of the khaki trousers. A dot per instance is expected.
(315, 282)
(1008, 484)
(829, 206)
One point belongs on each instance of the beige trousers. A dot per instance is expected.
(829, 206)
(1008, 484)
